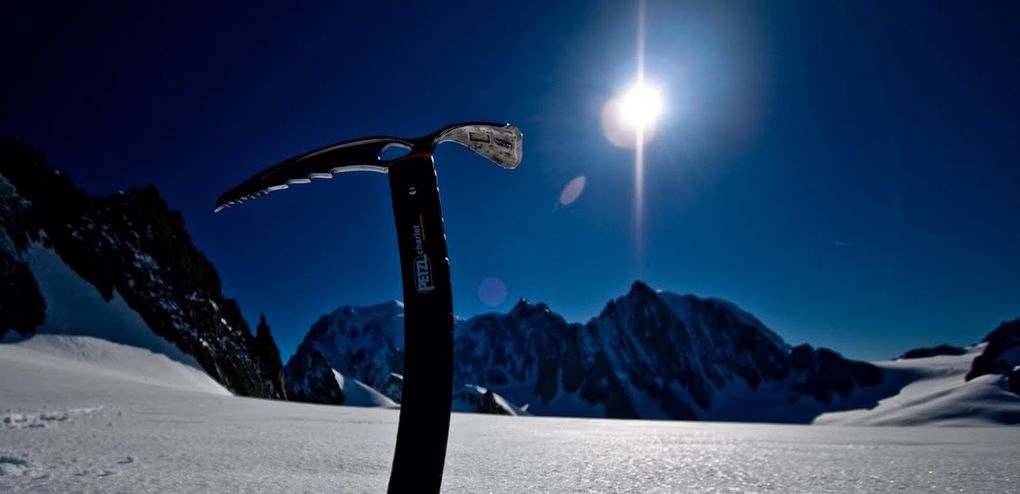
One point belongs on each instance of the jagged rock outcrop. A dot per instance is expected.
(1001, 353)
(269, 354)
(476, 399)
(311, 379)
(1013, 380)
(825, 373)
(133, 243)
(932, 352)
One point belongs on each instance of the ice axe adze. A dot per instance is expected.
(425, 270)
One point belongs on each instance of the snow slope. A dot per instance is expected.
(82, 415)
(73, 306)
(937, 395)
(58, 369)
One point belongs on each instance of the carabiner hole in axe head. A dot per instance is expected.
(393, 151)
(500, 144)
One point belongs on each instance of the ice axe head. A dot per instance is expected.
(499, 143)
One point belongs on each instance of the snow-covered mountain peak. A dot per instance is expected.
(525, 309)
(640, 294)
(712, 310)
(364, 342)
(640, 301)
(380, 323)
(640, 287)
(705, 318)
(362, 314)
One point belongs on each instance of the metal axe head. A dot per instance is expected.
(499, 143)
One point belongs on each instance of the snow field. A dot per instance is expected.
(166, 430)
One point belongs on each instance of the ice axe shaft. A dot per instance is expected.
(428, 327)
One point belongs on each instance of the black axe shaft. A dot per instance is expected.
(428, 327)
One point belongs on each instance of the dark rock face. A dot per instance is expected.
(268, 353)
(310, 379)
(825, 373)
(490, 406)
(1002, 352)
(1013, 380)
(527, 345)
(603, 387)
(132, 242)
(933, 352)
(22, 307)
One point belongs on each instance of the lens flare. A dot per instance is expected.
(492, 291)
(572, 191)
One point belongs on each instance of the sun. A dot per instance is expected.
(640, 107)
(630, 118)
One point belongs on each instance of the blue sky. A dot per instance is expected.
(846, 171)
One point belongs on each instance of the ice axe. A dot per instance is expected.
(425, 271)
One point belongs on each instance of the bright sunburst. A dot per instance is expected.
(640, 106)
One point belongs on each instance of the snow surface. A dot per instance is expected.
(938, 395)
(79, 414)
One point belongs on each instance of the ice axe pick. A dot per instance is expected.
(425, 271)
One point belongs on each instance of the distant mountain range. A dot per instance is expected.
(650, 354)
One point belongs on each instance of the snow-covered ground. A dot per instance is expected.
(81, 414)
(938, 394)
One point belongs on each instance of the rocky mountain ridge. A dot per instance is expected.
(132, 243)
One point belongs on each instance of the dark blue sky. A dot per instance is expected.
(847, 171)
